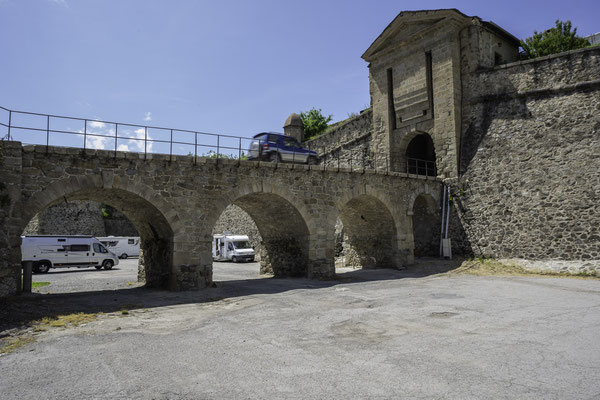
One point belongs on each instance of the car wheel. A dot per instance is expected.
(274, 157)
(312, 161)
(43, 267)
(123, 256)
(234, 259)
(107, 264)
(98, 267)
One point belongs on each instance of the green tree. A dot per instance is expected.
(554, 40)
(314, 122)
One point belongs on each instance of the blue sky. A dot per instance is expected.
(232, 67)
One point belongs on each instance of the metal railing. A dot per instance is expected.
(420, 167)
(57, 130)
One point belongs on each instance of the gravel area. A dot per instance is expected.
(69, 280)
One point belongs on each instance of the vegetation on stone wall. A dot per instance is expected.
(554, 40)
(315, 123)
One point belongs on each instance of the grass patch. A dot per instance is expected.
(15, 342)
(126, 307)
(62, 321)
(490, 267)
(39, 284)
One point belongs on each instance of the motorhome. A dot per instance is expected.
(66, 252)
(123, 246)
(228, 247)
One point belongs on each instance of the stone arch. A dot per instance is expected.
(424, 210)
(417, 154)
(155, 220)
(283, 224)
(370, 230)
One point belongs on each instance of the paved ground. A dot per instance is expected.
(370, 334)
(69, 280)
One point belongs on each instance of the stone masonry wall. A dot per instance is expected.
(72, 218)
(347, 143)
(10, 217)
(530, 162)
(80, 218)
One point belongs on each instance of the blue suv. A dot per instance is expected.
(275, 147)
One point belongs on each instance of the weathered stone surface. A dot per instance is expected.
(530, 165)
(72, 218)
(346, 144)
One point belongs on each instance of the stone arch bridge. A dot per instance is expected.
(175, 202)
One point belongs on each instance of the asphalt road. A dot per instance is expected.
(370, 334)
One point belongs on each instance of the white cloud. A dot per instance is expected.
(148, 116)
(97, 124)
(60, 3)
(95, 142)
(136, 145)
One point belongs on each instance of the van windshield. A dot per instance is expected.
(242, 244)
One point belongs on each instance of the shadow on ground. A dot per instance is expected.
(21, 311)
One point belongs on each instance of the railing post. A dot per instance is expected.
(47, 132)
(9, 123)
(145, 142)
(218, 147)
(171, 147)
(426, 171)
(195, 148)
(116, 136)
(85, 135)
(240, 150)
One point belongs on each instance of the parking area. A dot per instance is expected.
(123, 276)
(70, 280)
(369, 334)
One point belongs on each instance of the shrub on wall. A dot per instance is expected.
(552, 41)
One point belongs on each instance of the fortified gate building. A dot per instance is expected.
(517, 142)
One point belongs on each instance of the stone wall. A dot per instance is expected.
(117, 224)
(347, 143)
(72, 218)
(11, 209)
(80, 217)
(530, 161)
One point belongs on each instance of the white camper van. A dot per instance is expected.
(228, 247)
(122, 246)
(65, 252)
